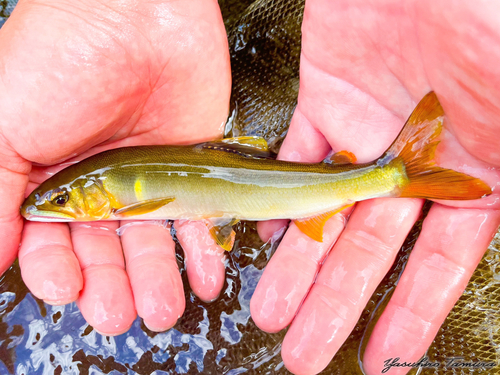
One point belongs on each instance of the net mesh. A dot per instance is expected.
(265, 49)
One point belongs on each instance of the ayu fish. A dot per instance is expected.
(237, 179)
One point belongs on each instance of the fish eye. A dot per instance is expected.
(60, 199)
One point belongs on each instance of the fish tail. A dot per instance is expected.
(415, 147)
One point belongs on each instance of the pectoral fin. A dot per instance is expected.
(313, 226)
(222, 232)
(143, 207)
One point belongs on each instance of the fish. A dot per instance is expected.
(225, 181)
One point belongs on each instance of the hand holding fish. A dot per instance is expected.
(363, 68)
(72, 86)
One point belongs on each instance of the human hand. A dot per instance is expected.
(363, 69)
(77, 78)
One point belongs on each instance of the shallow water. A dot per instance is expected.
(215, 338)
(220, 337)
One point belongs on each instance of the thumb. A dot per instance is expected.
(13, 181)
(303, 143)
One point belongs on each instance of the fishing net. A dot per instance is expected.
(220, 337)
(265, 50)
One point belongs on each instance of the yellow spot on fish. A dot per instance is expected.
(138, 190)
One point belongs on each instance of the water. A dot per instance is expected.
(215, 338)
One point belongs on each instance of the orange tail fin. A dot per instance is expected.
(415, 147)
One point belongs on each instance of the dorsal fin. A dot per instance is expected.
(249, 147)
(250, 141)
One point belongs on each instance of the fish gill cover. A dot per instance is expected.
(220, 337)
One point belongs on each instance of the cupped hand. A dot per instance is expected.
(364, 67)
(77, 78)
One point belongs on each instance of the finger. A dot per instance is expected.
(106, 301)
(448, 250)
(303, 143)
(154, 275)
(48, 265)
(359, 260)
(267, 229)
(12, 185)
(289, 275)
(204, 259)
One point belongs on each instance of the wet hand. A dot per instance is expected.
(77, 79)
(363, 69)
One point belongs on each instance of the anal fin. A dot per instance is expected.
(143, 207)
(313, 226)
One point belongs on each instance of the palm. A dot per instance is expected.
(80, 79)
(363, 68)
(111, 78)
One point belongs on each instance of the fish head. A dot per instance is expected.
(82, 200)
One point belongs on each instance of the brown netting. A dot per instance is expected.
(265, 49)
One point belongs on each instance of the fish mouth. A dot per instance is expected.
(31, 213)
